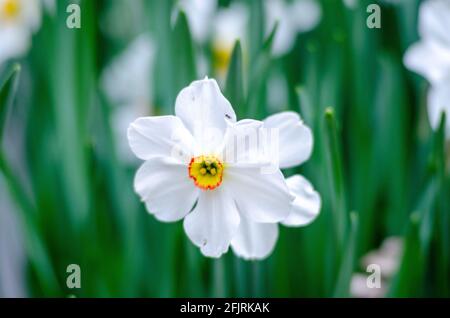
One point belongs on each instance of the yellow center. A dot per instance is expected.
(206, 171)
(10, 9)
(221, 55)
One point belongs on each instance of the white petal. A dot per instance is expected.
(241, 143)
(213, 222)
(260, 195)
(434, 21)
(307, 203)
(254, 240)
(295, 138)
(430, 59)
(439, 102)
(160, 136)
(14, 43)
(205, 112)
(164, 185)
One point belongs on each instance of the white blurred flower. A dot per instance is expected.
(224, 199)
(230, 25)
(222, 26)
(127, 82)
(430, 57)
(200, 15)
(387, 258)
(360, 289)
(292, 17)
(19, 19)
(49, 6)
(351, 4)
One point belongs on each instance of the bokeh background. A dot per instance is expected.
(66, 173)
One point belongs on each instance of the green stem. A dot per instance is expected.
(35, 247)
(335, 169)
(219, 288)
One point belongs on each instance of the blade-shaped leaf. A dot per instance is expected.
(7, 92)
(234, 87)
(348, 260)
(409, 278)
(336, 175)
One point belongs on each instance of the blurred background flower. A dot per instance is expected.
(128, 82)
(430, 57)
(18, 21)
(387, 260)
(291, 17)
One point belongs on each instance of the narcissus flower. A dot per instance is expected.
(430, 57)
(223, 176)
(18, 20)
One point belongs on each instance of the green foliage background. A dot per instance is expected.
(379, 168)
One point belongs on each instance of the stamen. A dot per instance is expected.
(206, 171)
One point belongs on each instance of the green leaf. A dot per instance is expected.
(442, 205)
(183, 53)
(70, 107)
(342, 288)
(7, 93)
(409, 278)
(33, 243)
(306, 106)
(439, 147)
(267, 45)
(259, 69)
(428, 213)
(219, 282)
(234, 86)
(336, 175)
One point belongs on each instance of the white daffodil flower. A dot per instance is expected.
(294, 17)
(203, 166)
(127, 82)
(257, 240)
(19, 19)
(430, 57)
